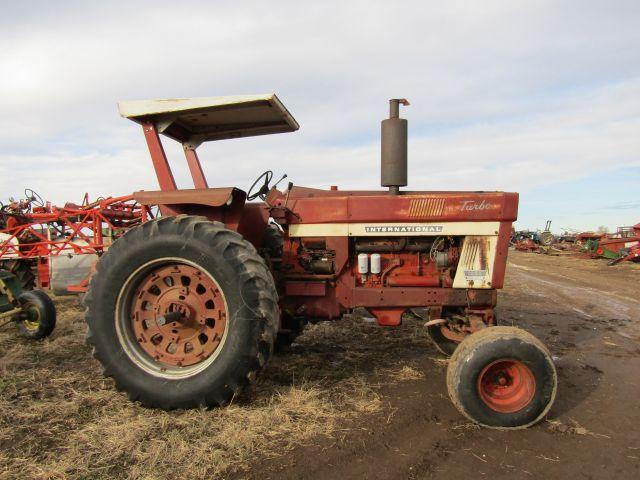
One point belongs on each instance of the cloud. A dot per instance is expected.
(623, 206)
(514, 96)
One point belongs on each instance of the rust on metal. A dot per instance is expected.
(179, 315)
(197, 174)
(426, 207)
(212, 197)
(158, 157)
(306, 289)
(388, 317)
(35, 234)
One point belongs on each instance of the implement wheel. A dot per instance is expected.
(182, 313)
(38, 317)
(502, 377)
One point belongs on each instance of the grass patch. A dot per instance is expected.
(59, 418)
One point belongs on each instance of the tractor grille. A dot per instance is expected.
(468, 260)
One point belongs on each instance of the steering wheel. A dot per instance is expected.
(32, 196)
(264, 189)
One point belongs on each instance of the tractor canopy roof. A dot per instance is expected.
(192, 121)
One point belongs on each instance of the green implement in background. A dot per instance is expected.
(32, 310)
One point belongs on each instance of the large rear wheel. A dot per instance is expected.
(502, 377)
(182, 312)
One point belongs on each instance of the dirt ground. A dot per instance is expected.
(349, 400)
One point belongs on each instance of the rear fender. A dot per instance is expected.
(227, 205)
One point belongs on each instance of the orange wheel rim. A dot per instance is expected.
(178, 315)
(506, 386)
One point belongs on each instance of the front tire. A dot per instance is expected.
(182, 313)
(502, 377)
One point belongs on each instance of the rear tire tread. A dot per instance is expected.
(251, 269)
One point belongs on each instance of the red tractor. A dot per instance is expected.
(185, 310)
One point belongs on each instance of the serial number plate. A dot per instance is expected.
(474, 274)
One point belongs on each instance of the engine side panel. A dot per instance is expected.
(389, 253)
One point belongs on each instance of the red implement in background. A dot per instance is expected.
(32, 231)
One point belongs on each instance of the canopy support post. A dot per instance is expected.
(158, 157)
(199, 180)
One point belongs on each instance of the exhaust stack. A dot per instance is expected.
(393, 172)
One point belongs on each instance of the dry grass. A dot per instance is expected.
(59, 418)
(408, 373)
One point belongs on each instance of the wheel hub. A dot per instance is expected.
(178, 315)
(31, 317)
(506, 386)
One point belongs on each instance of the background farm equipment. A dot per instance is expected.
(631, 254)
(584, 237)
(546, 237)
(526, 241)
(32, 311)
(623, 245)
(530, 241)
(568, 236)
(55, 247)
(617, 247)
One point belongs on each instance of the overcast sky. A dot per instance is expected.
(538, 97)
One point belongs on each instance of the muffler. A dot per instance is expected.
(394, 148)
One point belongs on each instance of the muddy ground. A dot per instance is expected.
(589, 316)
(349, 400)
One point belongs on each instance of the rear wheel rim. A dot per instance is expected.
(171, 318)
(506, 385)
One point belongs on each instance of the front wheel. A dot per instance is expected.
(182, 313)
(502, 377)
